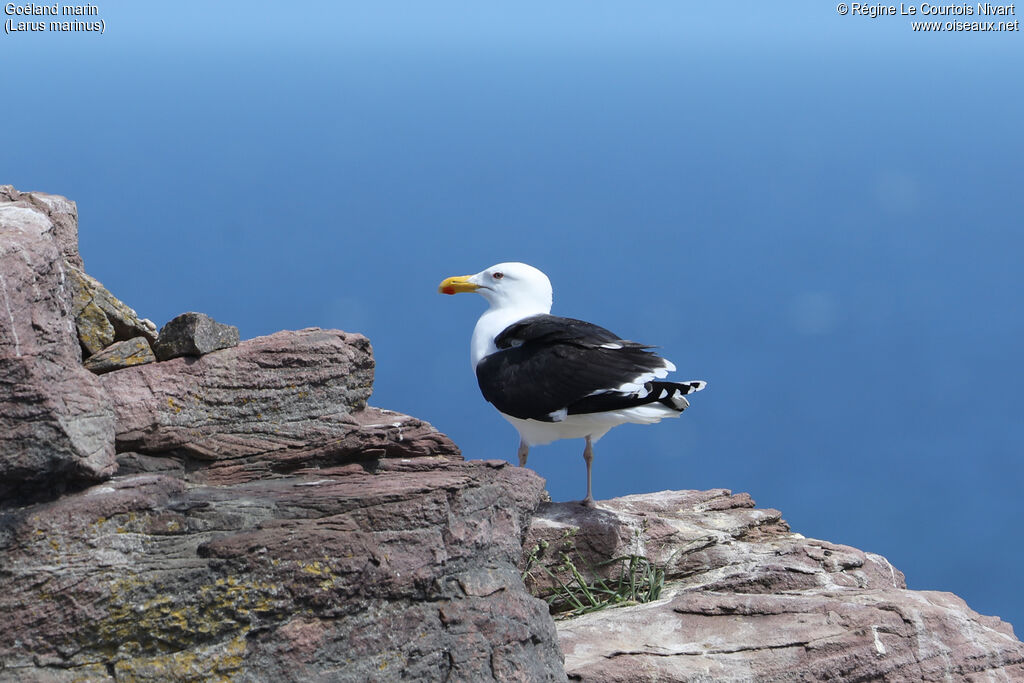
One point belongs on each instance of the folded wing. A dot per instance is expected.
(547, 367)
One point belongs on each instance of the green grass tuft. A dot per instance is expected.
(636, 581)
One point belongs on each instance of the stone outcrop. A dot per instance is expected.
(275, 393)
(252, 517)
(56, 422)
(236, 510)
(100, 317)
(745, 599)
(390, 569)
(193, 334)
(122, 354)
(60, 212)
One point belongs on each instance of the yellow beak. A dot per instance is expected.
(454, 285)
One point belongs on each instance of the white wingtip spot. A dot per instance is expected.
(627, 388)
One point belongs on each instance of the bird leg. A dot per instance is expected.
(588, 457)
(524, 450)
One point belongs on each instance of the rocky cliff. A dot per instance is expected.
(189, 506)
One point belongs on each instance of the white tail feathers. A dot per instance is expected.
(677, 398)
(690, 387)
(678, 401)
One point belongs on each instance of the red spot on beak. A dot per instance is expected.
(448, 290)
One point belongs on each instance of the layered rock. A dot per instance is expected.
(268, 394)
(263, 521)
(56, 422)
(402, 569)
(270, 404)
(275, 526)
(745, 599)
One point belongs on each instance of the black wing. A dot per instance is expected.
(552, 328)
(545, 364)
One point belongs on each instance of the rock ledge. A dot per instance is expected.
(745, 599)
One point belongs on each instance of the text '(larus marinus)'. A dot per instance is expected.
(559, 378)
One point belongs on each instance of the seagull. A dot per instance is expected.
(560, 378)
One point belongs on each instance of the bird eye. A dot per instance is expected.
(498, 276)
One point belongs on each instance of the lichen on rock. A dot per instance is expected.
(123, 354)
(100, 317)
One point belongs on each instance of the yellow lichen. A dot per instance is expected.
(89, 673)
(317, 568)
(138, 626)
(220, 662)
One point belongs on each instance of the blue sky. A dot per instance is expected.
(820, 215)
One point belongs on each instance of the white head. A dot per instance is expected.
(506, 285)
(513, 290)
